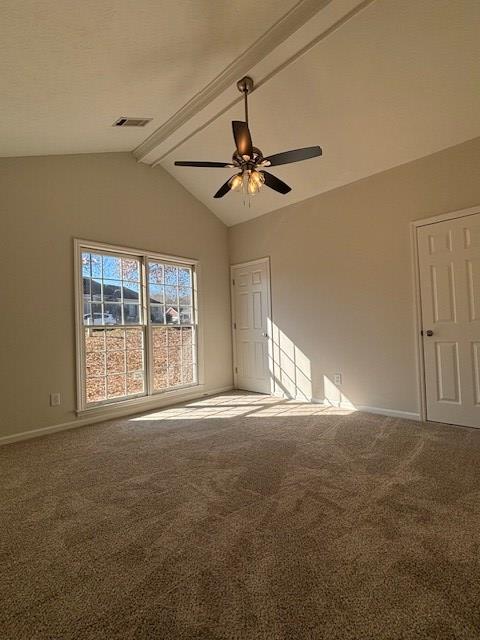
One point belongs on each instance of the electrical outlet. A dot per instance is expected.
(337, 378)
(55, 399)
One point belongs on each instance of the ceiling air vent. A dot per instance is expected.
(124, 121)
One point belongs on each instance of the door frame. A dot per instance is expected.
(249, 263)
(418, 325)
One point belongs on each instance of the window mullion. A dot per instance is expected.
(147, 333)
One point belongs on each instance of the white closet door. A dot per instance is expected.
(449, 262)
(251, 310)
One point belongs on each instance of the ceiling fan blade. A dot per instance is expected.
(194, 163)
(275, 183)
(243, 139)
(296, 155)
(224, 189)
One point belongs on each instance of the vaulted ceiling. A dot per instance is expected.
(375, 82)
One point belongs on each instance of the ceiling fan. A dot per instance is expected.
(249, 160)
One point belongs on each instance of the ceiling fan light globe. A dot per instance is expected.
(236, 183)
(255, 182)
(257, 177)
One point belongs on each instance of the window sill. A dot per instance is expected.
(140, 403)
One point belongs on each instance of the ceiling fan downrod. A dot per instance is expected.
(245, 86)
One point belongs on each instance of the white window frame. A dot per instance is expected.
(149, 396)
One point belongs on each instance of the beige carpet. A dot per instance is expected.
(239, 517)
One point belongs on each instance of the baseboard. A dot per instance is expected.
(109, 415)
(393, 413)
(336, 405)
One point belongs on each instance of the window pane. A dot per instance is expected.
(134, 338)
(187, 374)
(185, 296)
(159, 352)
(174, 356)
(135, 383)
(112, 290)
(186, 316)
(112, 268)
(87, 313)
(115, 362)
(112, 313)
(172, 316)
(96, 263)
(95, 316)
(116, 386)
(96, 391)
(134, 360)
(157, 312)
(87, 289)
(174, 337)
(130, 270)
(96, 290)
(187, 356)
(94, 340)
(95, 363)
(156, 293)
(185, 277)
(174, 368)
(171, 295)
(171, 275)
(155, 273)
(86, 265)
(187, 337)
(131, 314)
(115, 339)
(131, 292)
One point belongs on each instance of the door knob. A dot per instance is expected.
(265, 335)
(429, 332)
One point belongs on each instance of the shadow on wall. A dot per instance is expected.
(291, 371)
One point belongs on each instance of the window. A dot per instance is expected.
(136, 324)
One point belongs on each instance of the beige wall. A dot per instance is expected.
(342, 288)
(341, 271)
(45, 203)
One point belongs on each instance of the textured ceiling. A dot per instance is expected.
(69, 68)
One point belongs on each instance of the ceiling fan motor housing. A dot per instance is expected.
(238, 160)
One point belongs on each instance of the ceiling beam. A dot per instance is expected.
(304, 26)
(278, 33)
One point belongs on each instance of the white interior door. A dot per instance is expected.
(251, 313)
(449, 263)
